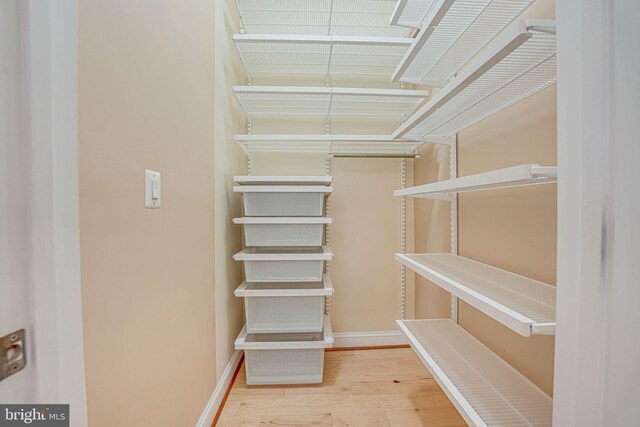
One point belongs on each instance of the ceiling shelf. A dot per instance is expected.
(412, 13)
(319, 17)
(516, 176)
(519, 64)
(485, 389)
(327, 101)
(524, 305)
(327, 144)
(277, 54)
(451, 34)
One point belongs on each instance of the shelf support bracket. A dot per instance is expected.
(403, 239)
(327, 213)
(453, 171)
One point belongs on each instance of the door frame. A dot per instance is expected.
(597, 379)
(51, 66)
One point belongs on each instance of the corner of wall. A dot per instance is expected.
(229, 161)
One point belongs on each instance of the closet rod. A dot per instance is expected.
(379, 156)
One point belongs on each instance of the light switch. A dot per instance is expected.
(152, 189)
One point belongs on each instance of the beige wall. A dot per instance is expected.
(364, 238)
(513, 229)
(432, 229)
(229, 161)
(146, 101)
(366, 229)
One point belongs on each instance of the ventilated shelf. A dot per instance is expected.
(319, 17)
(516, 176)
(485, 389)
(327, 144)
(276, 54)
(451, 33)
(282, 180)
(327, 101)
(519, 64)
(412, 13)
(524, 305)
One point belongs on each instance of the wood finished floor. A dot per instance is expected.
(361, 388)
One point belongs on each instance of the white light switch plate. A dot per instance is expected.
(152, 193)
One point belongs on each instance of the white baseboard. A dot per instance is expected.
(368, 339)
(210, 411)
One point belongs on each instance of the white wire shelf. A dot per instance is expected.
(319, 17)
(327, 144)
(277, 54)
(519, 64)
(282, 180)
(412, 13)
(485, 389)
(327, 101)
(452, 33)
(516, 176)
(524, 305)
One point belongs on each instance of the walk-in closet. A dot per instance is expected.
(319, 213)
(433, 124)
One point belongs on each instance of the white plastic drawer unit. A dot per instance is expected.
(285, 358)
(283, 200)
(285, 307)
(284, 264)
(283, 231)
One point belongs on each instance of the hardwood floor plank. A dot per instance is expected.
(317, 390)
(360, 388)
(297, 420)
(434, 417)
(339, 355)
(311, 405)
(360, 419)
(384, 354)
(243, 395)
(384, 369)
(403, 386)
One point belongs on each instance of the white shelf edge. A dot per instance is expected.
(512, 319)
(427, 29)
(255, 17)
(409, 99)
(461, 403)
(421, 38)
(511, 39)
(282, 189)
(283, 220)
(326, 290)
(455, 396)
(249, 254)
(516, 176)
(241, 344)
(280, 180)
(323, 90)
(329, 144)
(304, 39)
(397, 12)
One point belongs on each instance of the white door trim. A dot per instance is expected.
(597, 377)
(51, 64)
